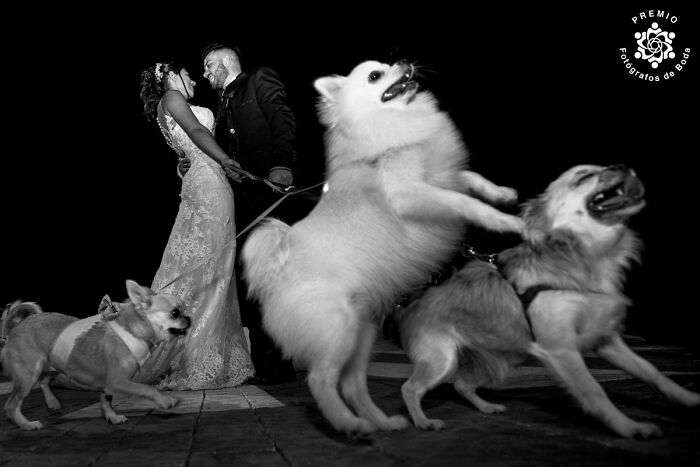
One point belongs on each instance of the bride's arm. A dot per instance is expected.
(176, 105)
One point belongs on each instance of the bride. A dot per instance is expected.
(198, 261)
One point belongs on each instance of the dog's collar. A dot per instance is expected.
(526, 297)
(470, 253)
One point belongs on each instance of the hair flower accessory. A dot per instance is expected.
(158, 72)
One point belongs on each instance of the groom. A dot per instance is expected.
(257, 128)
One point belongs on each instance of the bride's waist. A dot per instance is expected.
(203, 159)
(205, 166)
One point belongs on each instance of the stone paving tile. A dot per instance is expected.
(262, 459)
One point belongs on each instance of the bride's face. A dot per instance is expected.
(183, 83)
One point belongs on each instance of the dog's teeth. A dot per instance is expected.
(620, 191)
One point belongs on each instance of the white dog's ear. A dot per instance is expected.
(329, 86)
(140, 296)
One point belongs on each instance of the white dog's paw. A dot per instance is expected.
(692, 399)
(431, 424)
(116, 419)
(508, 223)
(641, 430)
(397, 422)
(506, 195)
(360, 429)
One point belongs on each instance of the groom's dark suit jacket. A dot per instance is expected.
(255, 124)
(257, 128)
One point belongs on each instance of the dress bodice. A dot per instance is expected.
(178, 137)
(205, 174)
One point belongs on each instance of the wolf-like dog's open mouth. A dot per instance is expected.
(618, 189)
(403, 85)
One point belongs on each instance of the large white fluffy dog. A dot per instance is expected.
(393, 210)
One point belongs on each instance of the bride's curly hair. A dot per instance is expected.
(153, 87)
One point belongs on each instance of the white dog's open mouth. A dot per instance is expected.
(619, 193)
(403, 85)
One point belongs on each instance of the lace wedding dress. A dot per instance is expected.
(214, 352)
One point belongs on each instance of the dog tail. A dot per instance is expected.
(264, 254)
(14, 313)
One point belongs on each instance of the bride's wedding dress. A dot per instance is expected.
(214, 352)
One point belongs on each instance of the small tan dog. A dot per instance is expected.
(570, 268)
(102, 352)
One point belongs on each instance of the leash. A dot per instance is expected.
(276, 187)
(289, 191)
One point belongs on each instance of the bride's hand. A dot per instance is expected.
(229, 166)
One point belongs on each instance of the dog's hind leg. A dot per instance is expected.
(620, 355)
(110, 415)
(466, 384)
(24, 377)
(334, 350)
(52, 401)
(354, 383)
(569, 368)
(435, 360)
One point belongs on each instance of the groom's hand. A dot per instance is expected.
(183, 165)
(281, 175)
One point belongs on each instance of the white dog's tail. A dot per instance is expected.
(264, 254)
(16, 312)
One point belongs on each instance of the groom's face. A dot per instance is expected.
(214, 70)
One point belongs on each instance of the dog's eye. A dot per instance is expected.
(583, 178)
(374, 76)
(175, 313)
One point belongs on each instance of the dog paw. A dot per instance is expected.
(396, 422)
(53, 405)
(166, 402)
(31, 426)
(360, 429)
(691, 400)
(642, 431)
(431, 424)
(492, 408)
(116, 419)
(507, 223)
(506, 195)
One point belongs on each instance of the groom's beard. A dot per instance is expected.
(218, 77)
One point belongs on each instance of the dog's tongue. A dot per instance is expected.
(397, 89)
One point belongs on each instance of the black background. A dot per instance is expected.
(89, 189)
